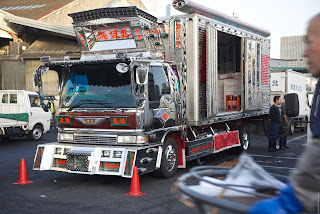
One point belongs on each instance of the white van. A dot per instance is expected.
(21, 114)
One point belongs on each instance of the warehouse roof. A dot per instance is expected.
(55, 47)
(32, 9)
(66, 31)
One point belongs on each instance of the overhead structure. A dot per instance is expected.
(115, 28)
(188, 6)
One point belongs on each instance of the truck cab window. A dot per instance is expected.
(158, 83)
(34, 101)
(13, 98)
(5, 98)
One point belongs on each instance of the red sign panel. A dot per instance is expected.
(109, 166)
(200, 148)
(112, 33)
(65, 120)
(265, 70)
(138, 33)
(177, 36)
(81, 39)
(118, 121)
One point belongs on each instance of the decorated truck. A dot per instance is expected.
(155, 93)
(21, 114)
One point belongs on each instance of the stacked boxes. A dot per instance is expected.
(228, 84)
(220, 94)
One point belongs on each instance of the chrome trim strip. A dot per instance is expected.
(103, 130)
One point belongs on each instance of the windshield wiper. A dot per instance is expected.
(87, 101)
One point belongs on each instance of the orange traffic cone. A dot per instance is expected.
(23, 179)
(135, 185)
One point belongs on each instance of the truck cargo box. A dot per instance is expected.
(225, 69)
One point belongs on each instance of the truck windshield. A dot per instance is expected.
(97, 86)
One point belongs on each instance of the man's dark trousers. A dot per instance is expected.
(274, 134)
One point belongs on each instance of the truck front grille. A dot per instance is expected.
(95, 139)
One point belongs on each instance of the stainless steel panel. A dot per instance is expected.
(253, 71)
(212, 70)
(192, 57)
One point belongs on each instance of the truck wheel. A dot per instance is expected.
(169, 160)
(291, 126)
(36, 133)
(266, 126)
(244, 137)
(304, 127)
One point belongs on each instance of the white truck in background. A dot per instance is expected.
(311, 83)
(20, 115)
(289, 81)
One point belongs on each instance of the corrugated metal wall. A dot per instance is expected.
(12, 74)
(202, 86)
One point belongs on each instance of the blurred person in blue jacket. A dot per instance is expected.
(302, 192)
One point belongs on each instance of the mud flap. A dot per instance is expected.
(182, 158)
(159, 156)
(47, 157)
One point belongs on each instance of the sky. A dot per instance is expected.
(281, 17)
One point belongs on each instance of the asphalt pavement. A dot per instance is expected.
(60, 192)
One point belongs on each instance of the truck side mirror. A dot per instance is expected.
(36, 79)
(141, 75)
(292, 105)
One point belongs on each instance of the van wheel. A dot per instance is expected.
(169, 160)
(36, 133)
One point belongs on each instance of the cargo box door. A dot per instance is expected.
(252, 71)
(212, 70)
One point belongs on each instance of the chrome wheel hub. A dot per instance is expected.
(170, 157)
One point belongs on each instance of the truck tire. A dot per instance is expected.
(304, 127)
(291, 127)
(36, 133)
(244, 137)
(266, 126)
(169, 159)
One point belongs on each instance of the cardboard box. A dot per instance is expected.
(231, 88)
(228, 82)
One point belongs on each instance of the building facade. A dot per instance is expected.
(292, 48)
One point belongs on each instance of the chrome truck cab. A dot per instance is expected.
(118, 102)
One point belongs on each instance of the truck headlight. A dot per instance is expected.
(126, 139)
(58, 151)
(132, 139)
(66, 137)
(105, 153)
(141, 139)
(117, 154)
